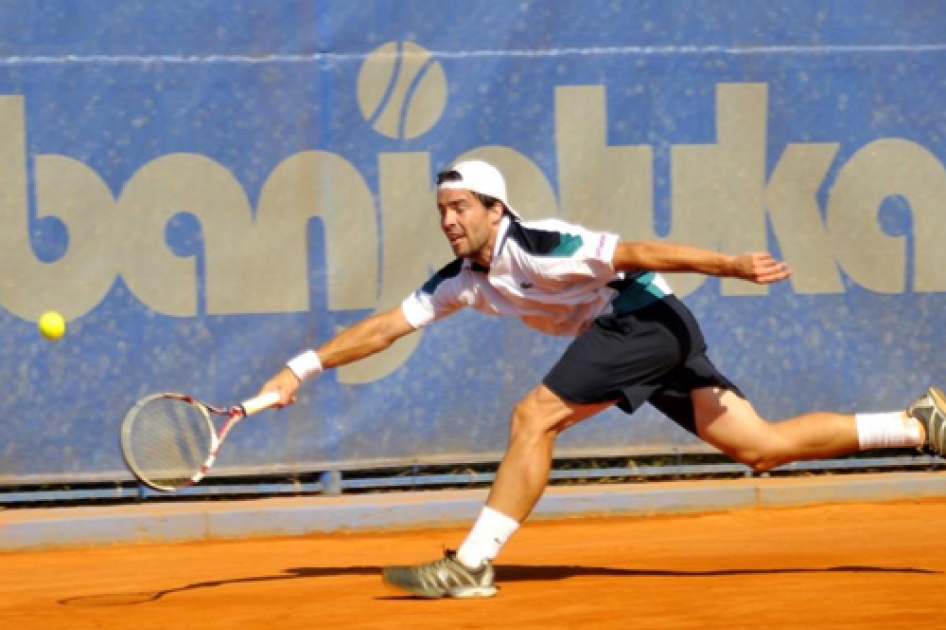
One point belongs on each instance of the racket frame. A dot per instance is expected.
(233, 416)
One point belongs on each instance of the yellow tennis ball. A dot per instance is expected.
(52, 325)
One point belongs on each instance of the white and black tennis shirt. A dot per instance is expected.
(554, 276)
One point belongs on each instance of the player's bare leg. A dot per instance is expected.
(524, 472)
(731, 424)
(520, 481)
(723, 419)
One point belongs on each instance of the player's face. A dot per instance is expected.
(467, 224)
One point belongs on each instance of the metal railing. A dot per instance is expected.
(332, 483)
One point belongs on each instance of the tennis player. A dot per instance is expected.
(634, 342)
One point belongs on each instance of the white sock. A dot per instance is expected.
(490, 532)
(887, 430)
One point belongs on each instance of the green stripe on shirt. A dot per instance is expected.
(569, 244)
(639, 293)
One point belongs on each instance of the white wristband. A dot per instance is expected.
(305, 366)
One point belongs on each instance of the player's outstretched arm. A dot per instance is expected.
(758, 267)
(368, 337)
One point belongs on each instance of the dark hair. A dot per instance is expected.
(453, 176)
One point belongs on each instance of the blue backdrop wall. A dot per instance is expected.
(205, 189)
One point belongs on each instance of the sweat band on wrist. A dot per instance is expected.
(305, 366)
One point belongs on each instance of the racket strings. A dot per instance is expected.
(168, 441)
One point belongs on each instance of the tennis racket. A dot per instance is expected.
(169, 441)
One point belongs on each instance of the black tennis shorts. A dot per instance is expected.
(655, 354)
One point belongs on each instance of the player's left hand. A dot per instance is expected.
(760, 267)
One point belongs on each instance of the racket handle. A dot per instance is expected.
(259, 403)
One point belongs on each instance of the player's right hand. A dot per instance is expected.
(286, 383)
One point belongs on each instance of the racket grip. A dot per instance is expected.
(259, 403)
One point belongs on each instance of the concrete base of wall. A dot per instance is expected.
(44, 528)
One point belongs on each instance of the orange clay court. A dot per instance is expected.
(852, 565)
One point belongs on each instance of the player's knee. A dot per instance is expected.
(527, 423)
(758, 463)
(759, 459)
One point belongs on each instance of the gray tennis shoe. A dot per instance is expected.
(930, 410)
(446, 577)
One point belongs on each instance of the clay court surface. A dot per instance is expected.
(831, 566)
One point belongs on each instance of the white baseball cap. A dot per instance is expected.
(480, 177)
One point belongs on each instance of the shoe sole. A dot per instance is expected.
(939, 398)
(470, 593)
(403, 589)
(939, 401)
(463, 593)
